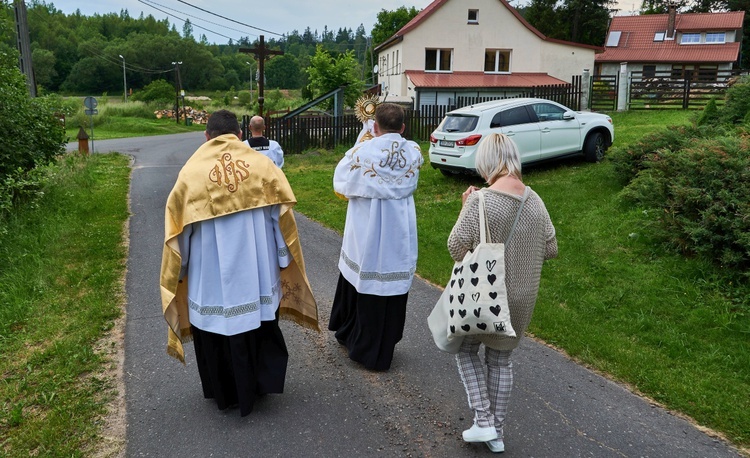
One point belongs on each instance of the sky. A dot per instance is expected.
(215, 18)
(276, 16)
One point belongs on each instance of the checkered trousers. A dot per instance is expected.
(488, 392)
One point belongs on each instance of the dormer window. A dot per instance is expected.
(473, 16)
(690, 38)
(716, 37)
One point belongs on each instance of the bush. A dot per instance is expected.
(159, 91)
(32, 133)
(736, 102)
(244, 98)
(627, 162)
(710, 114)
(700, 195)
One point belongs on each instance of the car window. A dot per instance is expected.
(459, 123)
(511, 117)
(548, 112)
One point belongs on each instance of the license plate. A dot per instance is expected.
(447, 143)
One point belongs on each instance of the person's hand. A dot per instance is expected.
(466, 193)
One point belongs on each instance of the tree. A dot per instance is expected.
(542, 15)
(326, 74)
(390, 22)
(283, 72)
(187, 29)
(579, 21)
(44, 67)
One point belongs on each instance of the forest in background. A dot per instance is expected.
(77, 54)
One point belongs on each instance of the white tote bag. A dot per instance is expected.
(478, 299)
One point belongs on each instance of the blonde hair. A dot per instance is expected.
(497, 156)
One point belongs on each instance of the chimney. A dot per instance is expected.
(672, 9)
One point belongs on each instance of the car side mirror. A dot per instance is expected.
(569, 115)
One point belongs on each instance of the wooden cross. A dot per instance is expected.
(261, 54)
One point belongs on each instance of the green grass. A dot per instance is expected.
(123, 120)
(612, 300)
(61, 288)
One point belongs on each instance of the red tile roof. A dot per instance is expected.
(434, 6)
(458, 80)
(637, 43)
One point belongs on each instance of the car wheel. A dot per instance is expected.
(593, 149)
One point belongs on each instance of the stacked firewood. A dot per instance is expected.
(199, 116)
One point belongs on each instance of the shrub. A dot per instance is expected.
(737, 102)
(710, 114)
(160, 91)
(700, 195)
(32, 133)
(627, 162)
(244, 97)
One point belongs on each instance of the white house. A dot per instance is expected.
(680, 44)
(477, 48)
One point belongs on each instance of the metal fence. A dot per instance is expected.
(603, 95)
(306, 132)
(675, 90)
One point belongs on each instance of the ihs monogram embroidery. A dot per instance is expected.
(229, 173)
(395, 158)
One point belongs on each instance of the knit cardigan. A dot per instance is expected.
(533, 242)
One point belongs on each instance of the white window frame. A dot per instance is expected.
(438, 59)
(716, 37)
(476, 17)
(497, 55)
(690, 39)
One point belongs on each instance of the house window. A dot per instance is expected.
(473, 16)
(649, 71)
(496, 61)
(716, 37)
(659, 36)
(438, 60)
(613, 39)
(690, 38)
(707, 73)
(681, 71)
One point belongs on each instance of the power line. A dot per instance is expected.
(183, 20)
(232, 20)
(149, 2)
(133, 68)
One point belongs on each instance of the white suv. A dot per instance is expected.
(542, 129)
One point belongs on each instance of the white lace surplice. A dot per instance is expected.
(232, 263)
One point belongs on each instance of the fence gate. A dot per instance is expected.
(603, 95)
(688, 89)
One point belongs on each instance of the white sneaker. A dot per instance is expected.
(496, 446)
(479, 434)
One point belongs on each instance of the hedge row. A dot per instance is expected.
(695, 181)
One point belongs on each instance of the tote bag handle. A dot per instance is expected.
(484, 232)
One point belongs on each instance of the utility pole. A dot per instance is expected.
(124, 81)
(178, 86)
(261, 54)
(24, 45)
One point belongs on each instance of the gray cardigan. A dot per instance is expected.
(533, 241)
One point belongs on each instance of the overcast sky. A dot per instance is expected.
(271, 18)
(276, 16)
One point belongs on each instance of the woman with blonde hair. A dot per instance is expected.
(529, 240)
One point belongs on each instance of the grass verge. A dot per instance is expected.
(61, 289)
(613, 300)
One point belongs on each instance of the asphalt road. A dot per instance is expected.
(331, 407)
